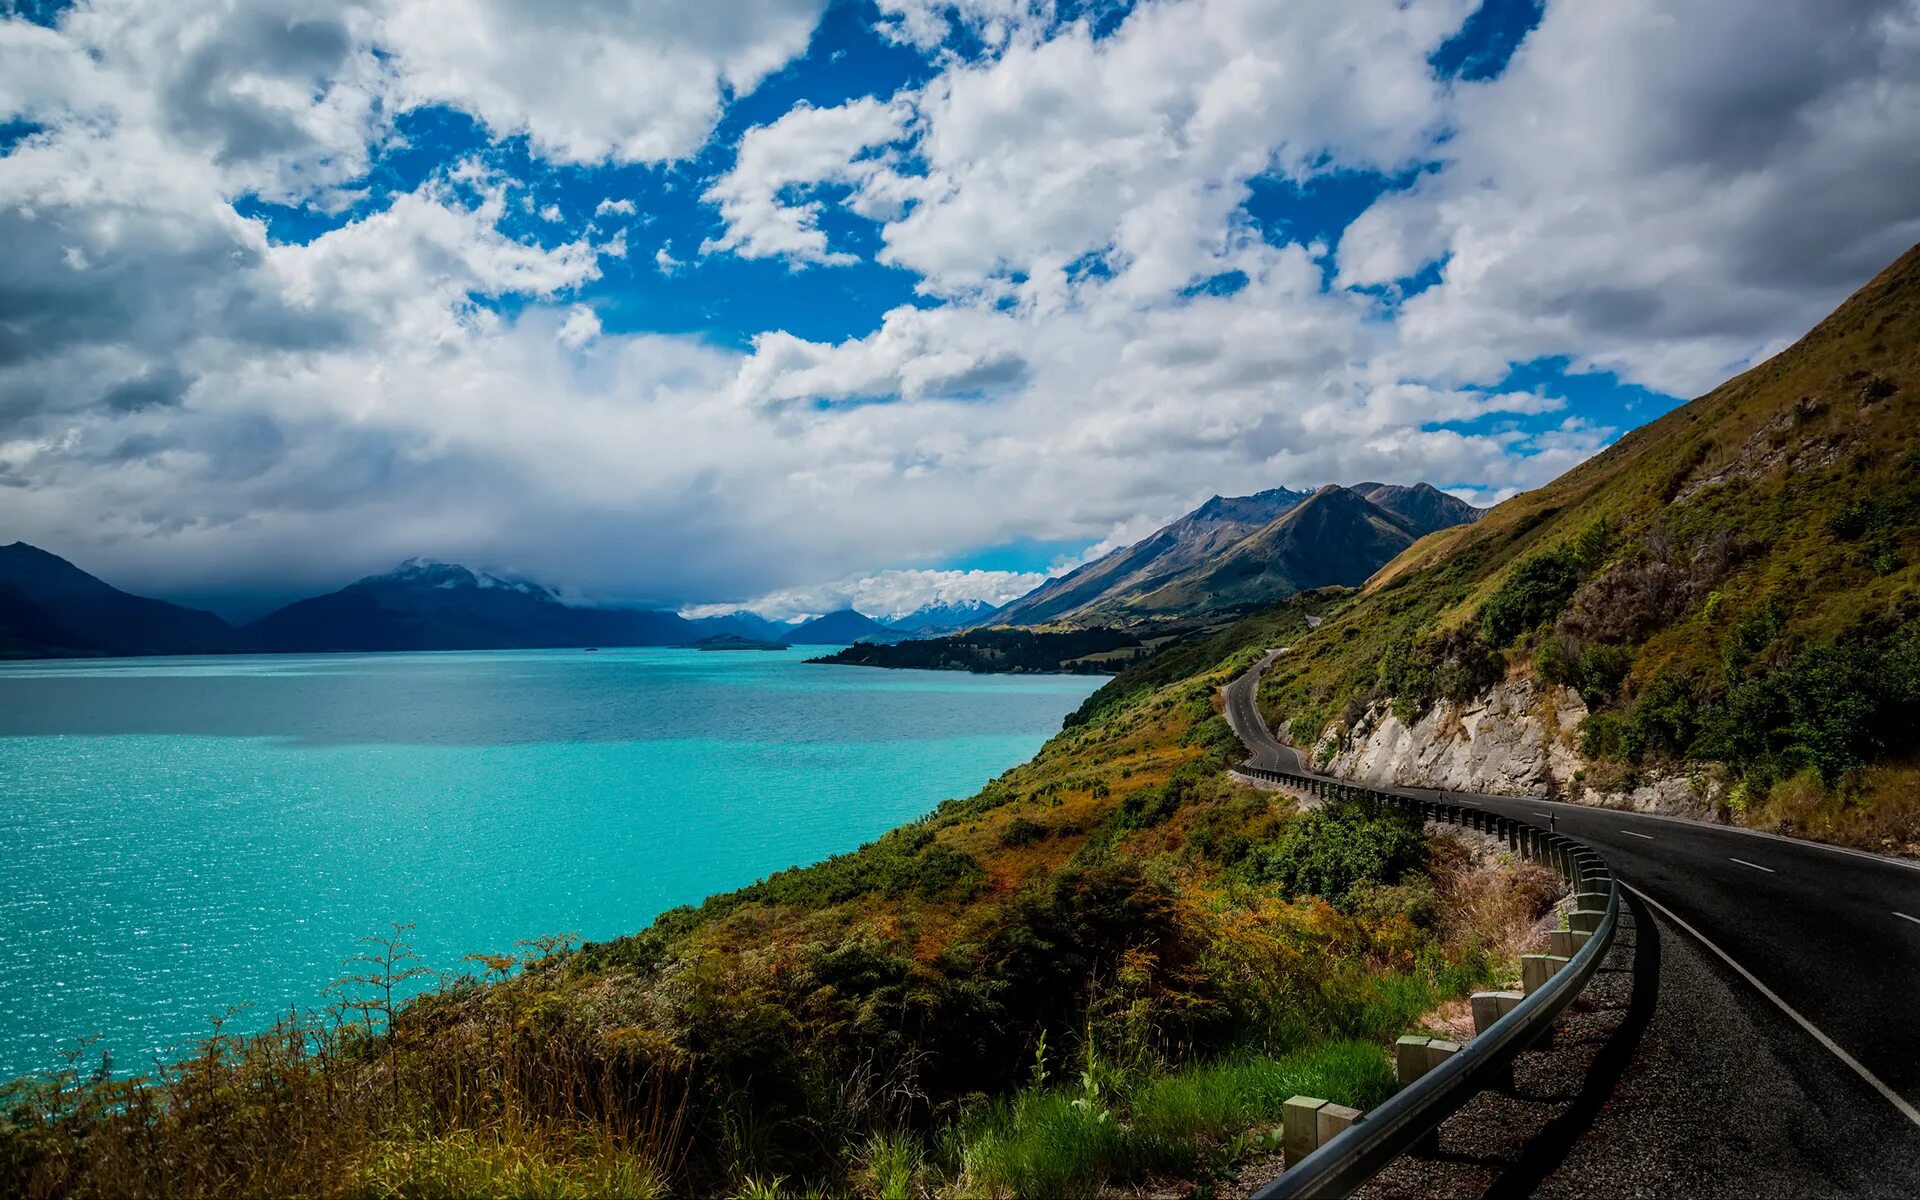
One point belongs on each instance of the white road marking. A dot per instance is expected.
(1892, 1097)
(1756, 866)
(1631, 833)
(1905, 917)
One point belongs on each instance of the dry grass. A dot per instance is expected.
(1883, 815)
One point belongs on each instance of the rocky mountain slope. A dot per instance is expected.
(1200, 535)
(1720, 613)
(1242, 552)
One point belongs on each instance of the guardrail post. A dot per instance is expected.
(1409, 1058)
(1536, 969)
(1566, 942)
(1333, 1120)
(1586, 920)
(1300, 1127)
(1489, 1007)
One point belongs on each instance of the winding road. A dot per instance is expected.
(1817, 946)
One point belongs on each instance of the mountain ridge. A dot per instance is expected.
(1231, 552)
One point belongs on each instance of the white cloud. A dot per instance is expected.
(581, 326)
(806, 148)
(884, 595)
(927, 23)
(1138, 146)
(624, 208)
(665, 262)
(626, 80)
(1662, 188)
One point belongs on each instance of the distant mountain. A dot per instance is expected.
(427, 605)
(945, 618)
(841, 628)
(51, 608)
(750, 626)
(1425, 507)
(1201, 534)
(1232, 552)
(1335, 536)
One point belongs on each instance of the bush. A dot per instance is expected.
(936, 872)
(1594, 671)
(1335, 849)
(1536, 593)
(1022, 831)
(1455, 665)
(1149, 806)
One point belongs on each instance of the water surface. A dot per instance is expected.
(178, 836)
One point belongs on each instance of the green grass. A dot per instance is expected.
(463, 1164)
(1068, 1143)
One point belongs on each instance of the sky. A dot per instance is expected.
(703, 303)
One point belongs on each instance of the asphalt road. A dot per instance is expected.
(1829, 939)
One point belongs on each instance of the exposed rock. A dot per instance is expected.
(1519, 739)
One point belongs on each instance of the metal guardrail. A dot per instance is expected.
(1349, 1159)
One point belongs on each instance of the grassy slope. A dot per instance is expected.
(1780, 509)
(1110, 964)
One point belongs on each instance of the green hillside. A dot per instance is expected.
(1734, 590)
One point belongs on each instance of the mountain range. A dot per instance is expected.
(1228, 553)
(51, 608)
(1243, 550)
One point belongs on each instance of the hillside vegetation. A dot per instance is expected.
(1001, 650)
(1110, 966)
(1733, 590)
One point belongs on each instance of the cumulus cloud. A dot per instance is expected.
(807, 148)
(1661, 188)
(884, 595)
(626, 80)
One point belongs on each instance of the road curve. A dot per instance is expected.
(1827, 938)
(1243, 714)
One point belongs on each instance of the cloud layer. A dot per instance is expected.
(1107, 327)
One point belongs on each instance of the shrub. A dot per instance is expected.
(1832, 708)
(1148, 807)
(1022, 831)
(936, 872)
(1334, 849)
(1536, 592)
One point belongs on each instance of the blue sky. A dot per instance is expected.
(774, 302)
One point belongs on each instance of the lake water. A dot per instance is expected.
(178, 836)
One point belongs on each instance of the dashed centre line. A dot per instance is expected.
(1631, 833)
(1756, 866)
(1905, 917)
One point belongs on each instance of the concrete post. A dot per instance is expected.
(1536, 969)
(1333, 1120)
(1560, 943)
(1410, 1058)
(1489, 1007)
(1300, 1127)
(1586, 920)
(1439, 1051)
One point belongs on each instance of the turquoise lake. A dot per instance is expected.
(180, 836)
